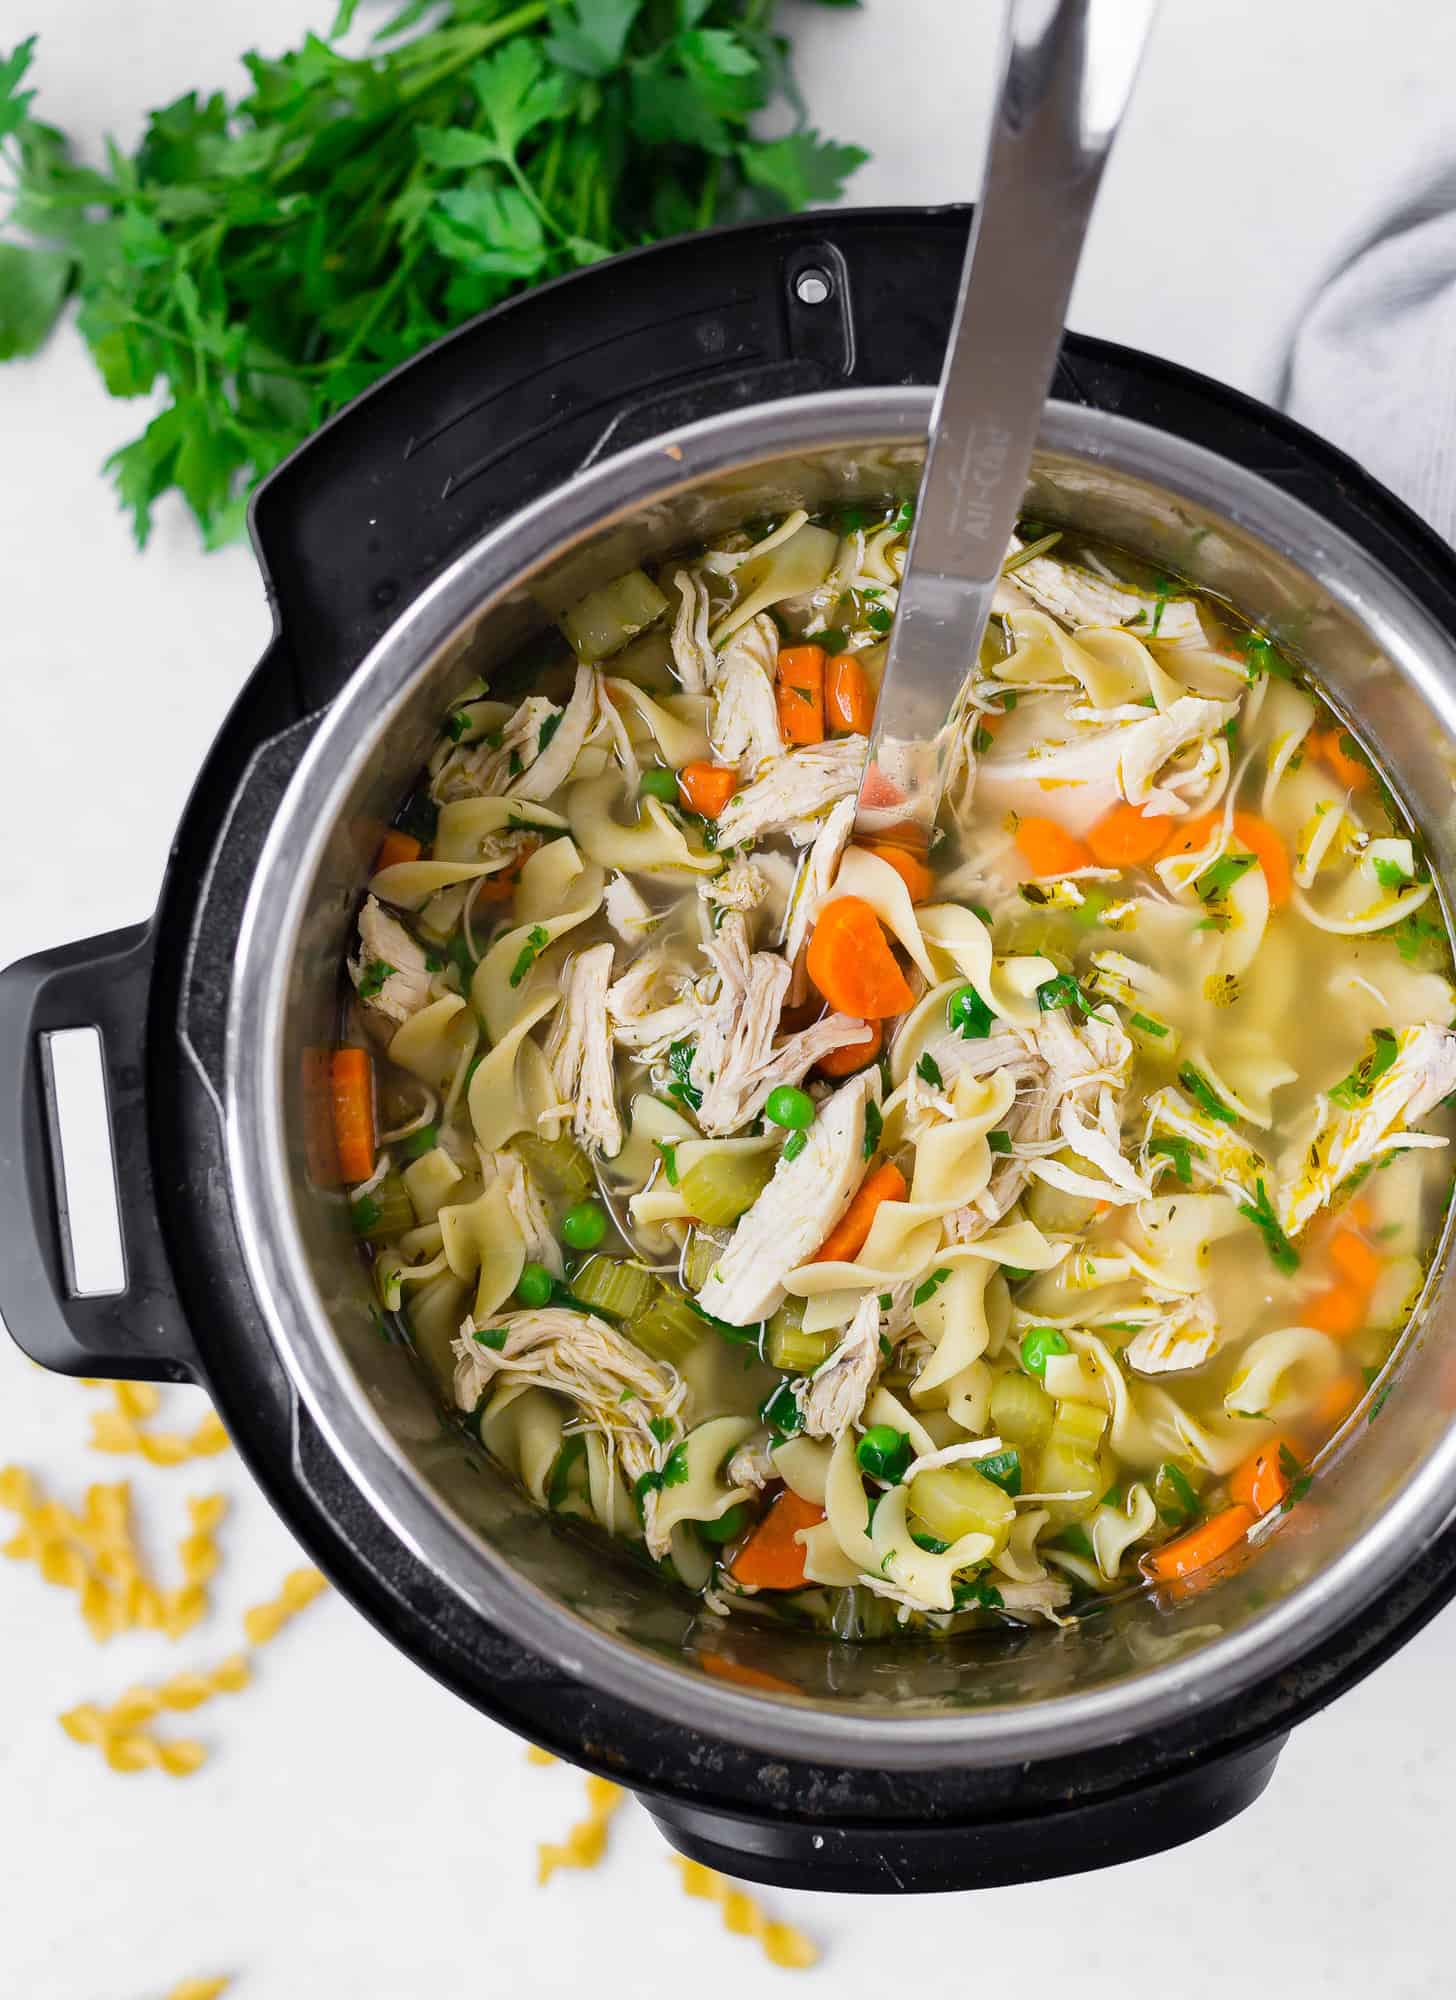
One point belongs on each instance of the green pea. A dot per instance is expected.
(790, 1107)
(535, 1285)
(727, 1528)
(584, 1225)
(883, 1452)
(1038, 1347)
(659, 784)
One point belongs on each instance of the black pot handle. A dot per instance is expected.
(986, 1854)
(138, 1330)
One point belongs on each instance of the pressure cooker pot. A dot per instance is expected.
(423, 540)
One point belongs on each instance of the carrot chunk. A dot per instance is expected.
(1354, 1259)
(500, 887)
(1201, 1546)
(849, 700)
(1261, 1481)
(1339, 1310)
(724, 1669)
(1126, 837)
(1250, 835)
(911, 870)
(351, 1075)
(800, 679)
(850, 961)
(1345, 765)
(395, 847)
(846, 1061)
(847, 1238)
(771, 1559)
(1048, 849)
(707, 788)
(1335, 1403)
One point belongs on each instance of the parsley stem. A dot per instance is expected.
(708, 199)
(380, 298)
(476, 45)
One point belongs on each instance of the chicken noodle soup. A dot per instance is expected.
(885, 1236)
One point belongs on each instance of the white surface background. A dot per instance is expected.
(358, 1832)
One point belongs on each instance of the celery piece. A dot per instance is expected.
(1079, 1426)
(954, 1500)
(719, 1188)
(558, 1166)
(602, 622)
(609, 1285)
(702, 1253)
(384, 1212)
(787, 1346)
(1021, 1411)
(669, 1330)
(1063, 1468)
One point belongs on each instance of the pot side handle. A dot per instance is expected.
(128, 1324)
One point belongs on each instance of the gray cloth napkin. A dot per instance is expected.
(1372, 366)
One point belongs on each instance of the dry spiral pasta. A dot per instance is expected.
(200, 1989)
(120, 1732)
(265, 1621)
(782, 1944)
(586, 1841)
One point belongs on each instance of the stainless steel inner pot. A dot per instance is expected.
(988, 1699)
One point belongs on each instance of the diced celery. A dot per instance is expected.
(702, 1253)
(1021, 1411)
(558, 1166)
(1063, 1468)
(721, 1187)
(604, 620)
(789, 1347)
(954, 1500)
(384, 1212)
(669, 1330)
(1079, 1426)
(612, 1286)
(647, 663)
(1055, 1212)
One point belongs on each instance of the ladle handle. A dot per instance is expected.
(1069, 71)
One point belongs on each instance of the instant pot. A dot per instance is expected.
(418, 540)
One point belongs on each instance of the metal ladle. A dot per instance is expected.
(1068, 72)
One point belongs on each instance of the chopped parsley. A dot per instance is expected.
(878, 618)
(1300, 1481)
(1003, 1469)
(794, 1145)
(968, 1013)
(669, 1160)
(1220, 876)
(537, 939)
(1205, 1096)
(1180, 1152)
(1389, 874)
(661, 1428)
(1148, 1025)
(928, 1070)
(1414, 934)
(570, 1455)
(874, 1126)
(930, 1287)
(781, 1411)
(455, 724)
(833, 639)
(417, 1144)
(1262, 656)
(494, 1337)
(1354, 1089)
(680, 1062)
(547, 730)
(999, 1141)
(976, 1595)
(982, 740)
(373, 977)
(903, 517)
(1260, 1212)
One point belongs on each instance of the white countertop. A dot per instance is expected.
(358, 1832)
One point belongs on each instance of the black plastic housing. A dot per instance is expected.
(347, 533)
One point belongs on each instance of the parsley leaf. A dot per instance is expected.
(1205, 1096)
(928, 1070)
(537, 939)
(680, 1062)
(874, 1125)
(1260, 1212)
(1354, 1089)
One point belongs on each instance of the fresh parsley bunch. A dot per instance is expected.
(265, 260)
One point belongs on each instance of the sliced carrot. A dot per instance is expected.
(351, 1076)
(911, 870)
(1251, 835)
(395, 847)
(724, 1669)
(1351, 770)
(1049, 849)
(707, 788)
(1339, 1310)
(1126, 837)
(1358, 1212)
(1260, 1481)
(500, 887)
(849, 699)
(847, 1238)
(771, 1559)
(878, 791)
(1354, 1259)
(850, 961)
(1201, 1546)
(858, 1056)
(800, 677)
(1335, 1403)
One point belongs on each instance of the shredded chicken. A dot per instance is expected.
(1422, 1074)
(548, 771)
(836, 1391)
(484, 769)
(795, 1212)
(737, 1062)
(752, 1464)
(792, 792)
(1080, 597)
(1041, 1599)
(528, 1210)
(1186, 1336)
(692, 654)
(627, 910)
(618, 1389)
(742, 885)
(650, 1007)
(745, 728)
(1076, 778)
(579, 1050)
(390, 971)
